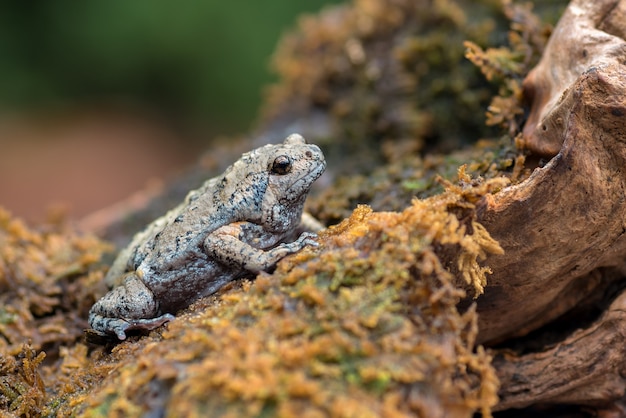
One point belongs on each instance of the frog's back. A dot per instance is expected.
(200, 211)
(164, 235)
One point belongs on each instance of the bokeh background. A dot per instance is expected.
(98, 99)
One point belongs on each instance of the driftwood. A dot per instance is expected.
(566, 220)
(586, 368)
(564, 228)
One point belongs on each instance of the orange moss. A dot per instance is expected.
(392, 187)
(365, 325)
(22, 390)
(48, 281)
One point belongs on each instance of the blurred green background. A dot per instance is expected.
(199, 62)
(99, 99)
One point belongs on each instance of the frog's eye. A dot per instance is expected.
(281, 165)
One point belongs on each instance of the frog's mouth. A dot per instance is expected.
(304, 182)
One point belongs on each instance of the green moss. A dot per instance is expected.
(424, 94)
(507, 66)
(392, 76)
(387, 70)
(394, 185)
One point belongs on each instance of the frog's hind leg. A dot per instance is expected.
(126, 307)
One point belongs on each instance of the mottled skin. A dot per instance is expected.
(232, 226)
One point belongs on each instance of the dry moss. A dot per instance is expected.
(22, 391)
(392, 187)
(48, 278)
(47, 282)
(365, 325)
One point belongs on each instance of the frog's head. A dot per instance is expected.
(291, 168)
(268, 186)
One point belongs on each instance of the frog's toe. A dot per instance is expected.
(120, 333)
(119, 326)
(109, 326)
(149, 324)
(308, 238)
(311, 242)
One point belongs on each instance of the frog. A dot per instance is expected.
(236, 224)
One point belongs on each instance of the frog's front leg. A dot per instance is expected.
(225, 245)
(129, 306)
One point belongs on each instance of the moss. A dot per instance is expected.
(22, 390)
(507, 66)
(393, 186)
(365, 325)
(385, 70)
(48, 280)
(392, 78)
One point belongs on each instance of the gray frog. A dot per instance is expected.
(232, 226)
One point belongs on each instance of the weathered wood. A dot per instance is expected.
(590, 34)
(586, 369)
(564, 228)
(569, 218)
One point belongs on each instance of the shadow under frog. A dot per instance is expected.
(233, 225)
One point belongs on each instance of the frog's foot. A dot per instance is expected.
(127, 307)
(228, 249)
(271, 257)
(306, 238)
(150, 323)
(119, 326)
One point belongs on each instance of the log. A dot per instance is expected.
(567, 219)
(586, 368)
(563, 229)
